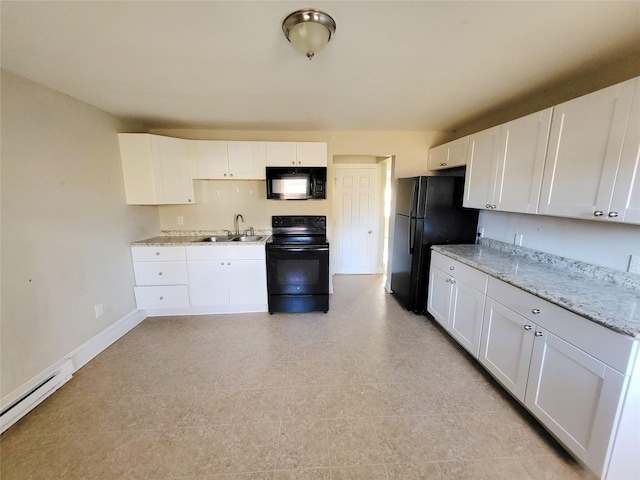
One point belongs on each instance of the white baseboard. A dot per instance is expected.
(25, 398)
(92, 347)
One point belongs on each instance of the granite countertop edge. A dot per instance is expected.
(179, 238)
(578, 286)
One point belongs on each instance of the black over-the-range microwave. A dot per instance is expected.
(296, 183)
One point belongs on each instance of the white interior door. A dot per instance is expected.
(357, 212)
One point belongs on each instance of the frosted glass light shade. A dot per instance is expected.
(309, 38)
(308, 30)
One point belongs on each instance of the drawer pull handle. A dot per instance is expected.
(539, 333)
(161, 298)
(535, 311)
(157, 253)
(528, 327)
(159, 273)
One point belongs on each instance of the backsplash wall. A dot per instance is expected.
(606, 244)
(218, 201)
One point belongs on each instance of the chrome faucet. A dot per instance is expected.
(237, 224)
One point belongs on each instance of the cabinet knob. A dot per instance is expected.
(231, 174)
(228, 263)
(535, 311)
(448, 280)
(453, 281)
(159, 273)
(443, 164)
(221, 263)
(189, 200)
(452, 267)
(161, 298)
(528, 327)
(293, 162)
(539, 333)
(157, 253)
(493, 207)
(598, 213)
(488, 205)
(613, 214)
(224, 174)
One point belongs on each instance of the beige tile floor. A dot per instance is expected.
(367, 391)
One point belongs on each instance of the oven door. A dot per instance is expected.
(297, 269)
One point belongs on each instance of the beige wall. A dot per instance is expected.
(218, 201)
(65, 228)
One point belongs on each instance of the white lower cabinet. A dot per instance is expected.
(456, 299)
(200, 279)
(233, 278)
(575, 376)
(161, 277)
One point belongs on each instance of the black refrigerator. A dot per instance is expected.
(428, 212)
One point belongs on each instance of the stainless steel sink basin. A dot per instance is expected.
(239, 238)
(247, 238)
(219, 238)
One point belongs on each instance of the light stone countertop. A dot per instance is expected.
(173, 238)
(602, 295)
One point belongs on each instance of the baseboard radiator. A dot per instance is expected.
(15, 410)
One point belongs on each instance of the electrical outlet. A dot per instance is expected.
(180, 220)
(517, 239)
(99, 308)
(481, 232)
(634, 264)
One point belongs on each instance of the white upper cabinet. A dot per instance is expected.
(591, 165)
(504, 170)
(209, 159)
(449, 155)
(247, 160)
(227, 160)
(300, 154)
(156, 169)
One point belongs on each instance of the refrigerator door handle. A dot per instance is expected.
(412, 221)
(413, 210)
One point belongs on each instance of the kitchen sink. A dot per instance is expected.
(239, 238)
(247, 238)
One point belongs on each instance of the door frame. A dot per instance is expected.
(379, 201)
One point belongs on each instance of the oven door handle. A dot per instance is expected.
(299, 249)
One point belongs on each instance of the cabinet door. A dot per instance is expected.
(584, 150)
(505, 346)
(208, 283)
(438, 157)
(246, 160)
(449, 155)
(465, 316)
(625, 203)
(575, 396)
(171, 170)
(311, 154)
(439, 298)
(482, 168)
(281, 154)
(522, 149)
(247, 282)
(209, 159)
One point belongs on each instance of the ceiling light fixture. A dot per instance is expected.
(309, 30)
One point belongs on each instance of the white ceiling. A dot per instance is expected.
(421, 65)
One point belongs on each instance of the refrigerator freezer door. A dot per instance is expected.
(401, 264)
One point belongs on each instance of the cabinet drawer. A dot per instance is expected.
(469, 275)
(611, 348)
(174, 296)
(157, 254)
(224, 252)
(160, 273)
